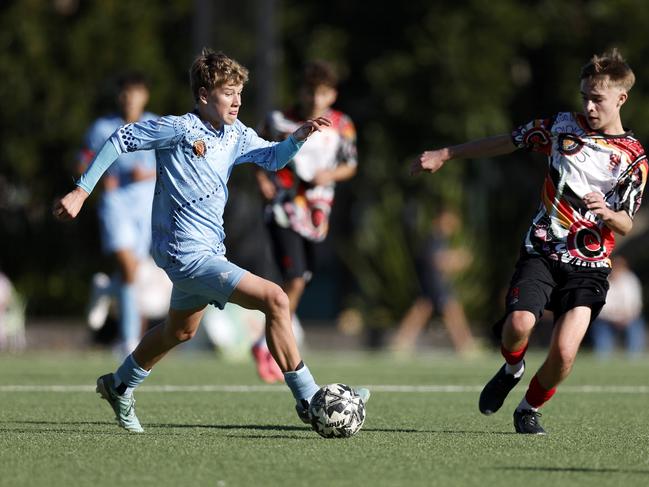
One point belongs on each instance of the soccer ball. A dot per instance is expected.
(337, 411)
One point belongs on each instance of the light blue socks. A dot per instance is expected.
(301, 383)
(129, 317)
(130, 374)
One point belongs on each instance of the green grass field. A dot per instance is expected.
(214, 435)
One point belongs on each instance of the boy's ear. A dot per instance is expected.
(202, 94)
(622, 97)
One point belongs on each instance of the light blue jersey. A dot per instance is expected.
(124, 212)
(194, 163)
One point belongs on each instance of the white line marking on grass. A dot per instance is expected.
(410, 389)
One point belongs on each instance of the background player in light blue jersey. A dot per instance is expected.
(124, 209)
(195, 155)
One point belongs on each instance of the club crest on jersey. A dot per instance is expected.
(570, 144)
(199, 148)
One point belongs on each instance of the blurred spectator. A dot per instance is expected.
(12, 317)
(622, 313)
(436, 263)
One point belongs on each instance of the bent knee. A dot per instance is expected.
(184, 334)
(276, 299)
(521, 322)
(565, 356)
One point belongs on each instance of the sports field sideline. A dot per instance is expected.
(215, 420)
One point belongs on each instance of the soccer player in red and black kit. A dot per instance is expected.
(596, 175)
(299, 197)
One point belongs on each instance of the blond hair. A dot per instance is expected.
(609, 69)
(212, 69)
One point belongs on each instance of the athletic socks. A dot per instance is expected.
(128, 376)
(301, 383)
(536, 396)
(129, 317)
(515, 365)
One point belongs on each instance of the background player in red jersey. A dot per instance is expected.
(596, 175)
(299, 197)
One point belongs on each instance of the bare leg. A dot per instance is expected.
(517, 330)
(457, 326)
(294, 288)
(413, 322)
(567, 336)
(180, 326)
(253, 292)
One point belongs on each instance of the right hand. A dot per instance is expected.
(430, 161)
(310, 126)
(68, 207)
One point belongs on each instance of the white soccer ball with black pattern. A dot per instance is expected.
(337, 411)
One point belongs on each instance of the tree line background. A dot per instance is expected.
(414, 75)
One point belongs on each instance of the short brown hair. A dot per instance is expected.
(610, 64)
(318, 73)
(211, 69)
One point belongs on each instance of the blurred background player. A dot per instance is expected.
(436, 263)
(300, 196)
(622, 313)
(124, 210)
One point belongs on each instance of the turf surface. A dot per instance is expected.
(599, 436)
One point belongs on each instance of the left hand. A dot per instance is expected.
(310, 126)
(595, 203)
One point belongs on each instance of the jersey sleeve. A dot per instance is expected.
(535, 136)
(272, 156)
(160, 133)
(347, 153)
(629, 191)
(94, 139)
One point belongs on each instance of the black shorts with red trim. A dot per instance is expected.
(539, 283)
(295, 255)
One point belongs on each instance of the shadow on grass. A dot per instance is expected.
(445, 432)
(245, 427)
(575, 469)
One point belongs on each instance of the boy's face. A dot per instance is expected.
(132, 100)
(220, 105)
(318, 99)
(602, 102)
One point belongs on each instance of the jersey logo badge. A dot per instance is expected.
(199, 148)
(570, 144)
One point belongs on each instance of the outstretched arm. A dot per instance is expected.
(273, 156)
(432, 161)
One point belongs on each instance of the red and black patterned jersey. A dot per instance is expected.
(299, 204)
(580, 161)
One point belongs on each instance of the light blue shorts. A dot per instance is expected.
(212, 281)
(125, 218)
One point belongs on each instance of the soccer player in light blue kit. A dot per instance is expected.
(195, 155)
(125, 206)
